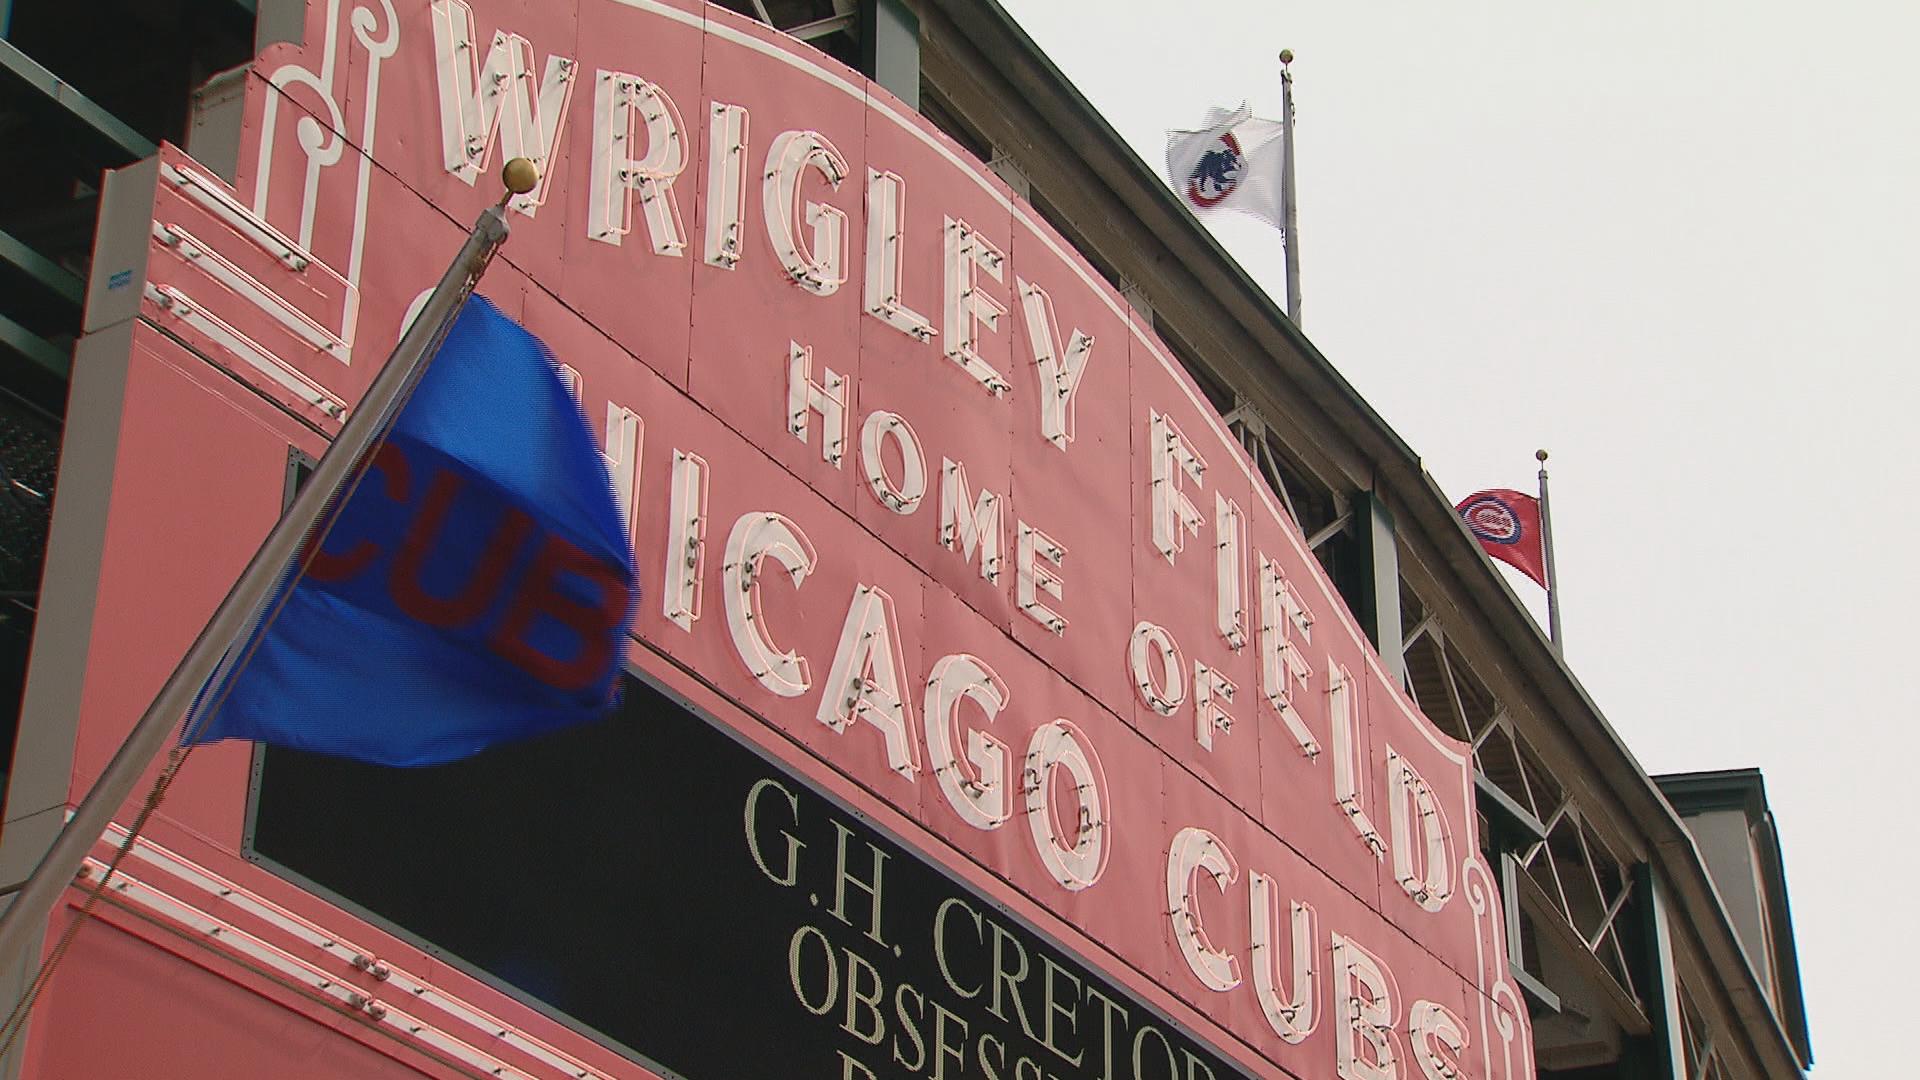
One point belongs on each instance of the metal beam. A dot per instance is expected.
(1620, 1003)
(1378, 581)
(39, 350)
(890, 48)
(820, 28)
(1453, 686)
(1509, 820)
(1331, 530)
(49, 275)
(1536, 991)
(1419, 628)
(110, 131)
(1660, 1053)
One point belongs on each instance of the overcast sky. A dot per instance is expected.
(1676, 245)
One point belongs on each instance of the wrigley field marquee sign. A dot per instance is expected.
(920, 503)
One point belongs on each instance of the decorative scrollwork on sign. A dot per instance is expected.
(324, 138)
(1499, 1002)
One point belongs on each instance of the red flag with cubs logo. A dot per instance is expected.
(1507, 524)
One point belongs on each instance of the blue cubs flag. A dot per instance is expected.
(475, 587)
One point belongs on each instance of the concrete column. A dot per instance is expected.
(276, 21)
(890, 47)
(1373, 590)
(1661, 1055)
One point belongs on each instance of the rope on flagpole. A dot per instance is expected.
(203, 710)
(16, 1021)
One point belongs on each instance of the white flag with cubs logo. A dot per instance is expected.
(1232, 162)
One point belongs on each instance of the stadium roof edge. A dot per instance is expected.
(1135, 184)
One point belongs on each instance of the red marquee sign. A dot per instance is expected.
(918, 501)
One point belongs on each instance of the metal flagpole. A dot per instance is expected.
(1289, 200)
(1546, 543)
(365, 427)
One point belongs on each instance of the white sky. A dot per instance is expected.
(1675, 244)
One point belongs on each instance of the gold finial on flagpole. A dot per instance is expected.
(1286, 57)
(519, 176)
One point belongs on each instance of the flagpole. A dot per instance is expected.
(365, 427)
(1289, 201)
(1546, 542)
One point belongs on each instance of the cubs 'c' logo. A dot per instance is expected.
(1217, 173)
(1489, 518)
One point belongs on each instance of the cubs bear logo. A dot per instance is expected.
(1489, 518)
(1217, 173)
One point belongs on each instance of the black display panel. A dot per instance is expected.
(654, 880)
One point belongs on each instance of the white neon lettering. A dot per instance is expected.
(1439, 1039)
(969, 524)
(1294, 1016)
(904, 497)
(615, 174)
(984, 798)
(686, 540)
(1150, 647)
(1422, 863)
(1364, 1046)
(828, 397)
(968, 307)
(1230, 571)
(756, 537)
(1078, 864)
(1060, 368)
(1349, 756)
(1285, 625)
(867, 678)
(726, 184)
(622, 457)
(817, 266)
(1212, 693)
(1033, 578)
(1171, 460)
(1195, 851)
(484, 102)
(886, 240)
